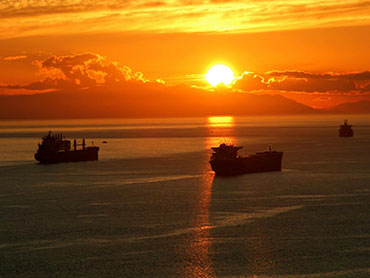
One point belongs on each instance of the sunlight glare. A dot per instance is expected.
(219, 74)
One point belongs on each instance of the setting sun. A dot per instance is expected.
(219, 74)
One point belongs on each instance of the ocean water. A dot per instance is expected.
(151, 206)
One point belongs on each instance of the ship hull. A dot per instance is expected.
(261, 162)
(88, 154)
(345, 133)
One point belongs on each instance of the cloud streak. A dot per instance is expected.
(299, 81)
(14, 58)
(22, 18)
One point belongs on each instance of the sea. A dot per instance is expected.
(152, 207)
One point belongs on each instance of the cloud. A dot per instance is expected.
(24, 18)
(298, 81)
(80, 71)
(365, 75)
(323, 98)
(13, 58)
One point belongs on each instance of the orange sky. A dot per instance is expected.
(312, 51)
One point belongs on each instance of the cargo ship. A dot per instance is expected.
(345, 130)
(54, 149)
(225, 161)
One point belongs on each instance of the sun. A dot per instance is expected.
(219, 74)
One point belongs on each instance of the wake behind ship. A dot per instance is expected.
(225, 161)
(55, 149)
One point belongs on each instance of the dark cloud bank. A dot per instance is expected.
(88, 85)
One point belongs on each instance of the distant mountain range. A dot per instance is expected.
(94, 104)
(83, 104)
(352, 107)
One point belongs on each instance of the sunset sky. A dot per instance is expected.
(315, 52)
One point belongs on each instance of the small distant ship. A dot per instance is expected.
(225, 161)
(345, 130)
(55, 149)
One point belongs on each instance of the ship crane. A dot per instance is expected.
(75, 144)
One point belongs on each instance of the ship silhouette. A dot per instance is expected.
(55, 149)
(345, 130)
(225, 161)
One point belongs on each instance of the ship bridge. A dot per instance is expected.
(225, 152)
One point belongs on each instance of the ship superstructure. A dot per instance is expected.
(345, 130)
(225, 161)
(54, 149)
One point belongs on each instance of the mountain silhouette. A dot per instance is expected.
(352, 107)
(169, 104)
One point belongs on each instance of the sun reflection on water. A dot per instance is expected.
(221, 121)
(198, 253)
(200, 263)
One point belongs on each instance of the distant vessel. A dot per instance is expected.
(225, 161)
(55, 149)
(345, 130)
